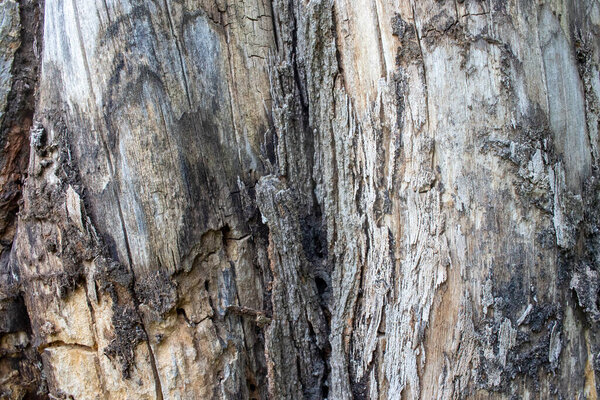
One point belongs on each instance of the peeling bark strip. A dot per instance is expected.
(299, 199)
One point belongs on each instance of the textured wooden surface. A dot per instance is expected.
(312, 199)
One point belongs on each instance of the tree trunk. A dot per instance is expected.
(285, 199)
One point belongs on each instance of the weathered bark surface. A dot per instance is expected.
(300, 199)
(20, 366)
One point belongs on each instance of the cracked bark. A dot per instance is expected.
(287, 199)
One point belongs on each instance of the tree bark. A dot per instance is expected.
(300, 199)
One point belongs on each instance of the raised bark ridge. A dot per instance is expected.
(290, 199)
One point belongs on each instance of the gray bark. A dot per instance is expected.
(289, 199)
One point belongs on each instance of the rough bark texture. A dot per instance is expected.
(293, 199)
(20, 28)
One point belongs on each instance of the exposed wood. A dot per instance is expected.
(301, 199)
